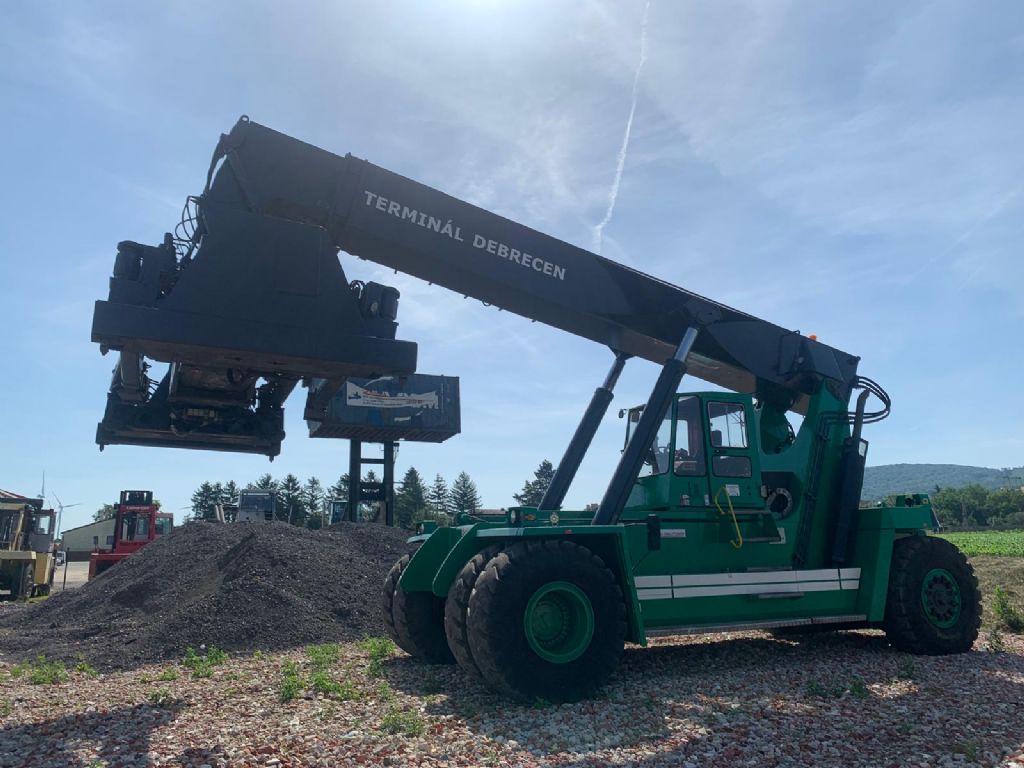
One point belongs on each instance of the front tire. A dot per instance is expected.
(415, 620)
(933, 605)
(546, 620)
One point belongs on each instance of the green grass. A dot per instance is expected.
(202, 666)
(321, 682)
(168, 675)
(323, 656)
(405, 723)
(1000, 543)
(379, 649)
(161, 697)
(1003, 576)
(1006, 615)
(41, 671)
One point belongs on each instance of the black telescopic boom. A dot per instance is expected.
(581, 439)
(626, 472)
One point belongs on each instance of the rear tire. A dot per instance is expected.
(546, 620)
(388, 599)
(415, 620)
(933, 605)
(456, 609)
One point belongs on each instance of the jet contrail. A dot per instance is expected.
(613, 193)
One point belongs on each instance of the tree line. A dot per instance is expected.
(974, 506)
(306, 503)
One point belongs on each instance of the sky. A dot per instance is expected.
(849, 170)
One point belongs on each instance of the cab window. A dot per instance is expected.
(689, 453)
(728, 423)
(657, 459)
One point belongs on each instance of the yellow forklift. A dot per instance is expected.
(27, 552)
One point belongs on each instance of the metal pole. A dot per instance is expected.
(389, 483)
(658, 403)
(355, 473)
(581, 439)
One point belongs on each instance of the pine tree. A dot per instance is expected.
(202, 499)
(230, 492)
(313, 498)
(533, 490)
(216, 497)
(292, 508)
(464, 496)
(410, 500)
(438, 499)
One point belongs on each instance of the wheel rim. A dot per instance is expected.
(940, 596)
(559, 622)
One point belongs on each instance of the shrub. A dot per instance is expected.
(291, 682)
(1008, 617)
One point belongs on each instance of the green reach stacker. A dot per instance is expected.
(718, 517)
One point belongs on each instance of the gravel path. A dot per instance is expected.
(843, 699)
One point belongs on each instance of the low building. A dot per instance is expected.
(81, 541)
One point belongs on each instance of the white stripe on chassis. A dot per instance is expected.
(746, 583)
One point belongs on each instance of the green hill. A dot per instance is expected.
(888, 479)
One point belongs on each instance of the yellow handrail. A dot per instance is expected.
(738, 541)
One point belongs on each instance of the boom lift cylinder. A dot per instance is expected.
(581, 439)
(632, 460)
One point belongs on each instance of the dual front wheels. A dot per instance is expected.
(541, 619)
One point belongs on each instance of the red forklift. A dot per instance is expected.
(137, 522)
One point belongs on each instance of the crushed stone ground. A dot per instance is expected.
(239, 587)
(841, 700)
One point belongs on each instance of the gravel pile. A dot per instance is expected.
(238, 587)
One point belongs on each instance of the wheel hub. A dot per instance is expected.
(940, 596)
(559, 622)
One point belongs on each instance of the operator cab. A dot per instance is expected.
(706, 449)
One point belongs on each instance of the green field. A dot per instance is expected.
(1001, 543)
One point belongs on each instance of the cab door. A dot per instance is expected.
(735, 467)
(689, 460)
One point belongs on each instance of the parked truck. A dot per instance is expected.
(720, 515)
